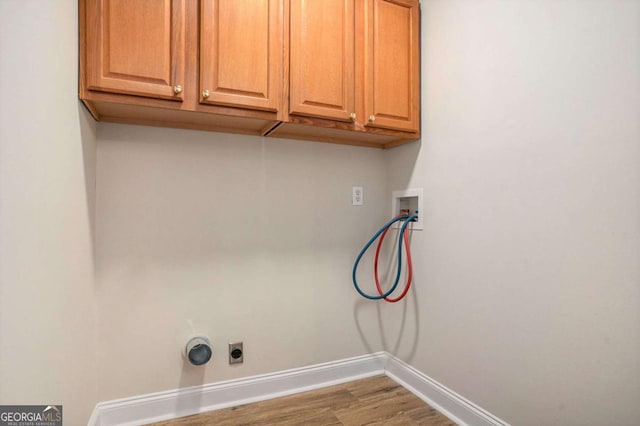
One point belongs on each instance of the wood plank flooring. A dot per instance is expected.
(374, 401)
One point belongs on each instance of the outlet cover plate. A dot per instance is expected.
(233, 347)
(357, 196)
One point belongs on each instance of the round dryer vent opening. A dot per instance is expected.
(198, 350)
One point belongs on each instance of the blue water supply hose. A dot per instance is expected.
(407, 219)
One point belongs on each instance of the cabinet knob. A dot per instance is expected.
(372, 118)
(352, 116)
(205, 94)
(177, 89)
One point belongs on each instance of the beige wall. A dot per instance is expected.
(528, 270)
(236, 237)
(526, 297)
(47, 177)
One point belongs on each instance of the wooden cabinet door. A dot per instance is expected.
(322, 59)
(392, 68)
(136, 47)
(241, 53)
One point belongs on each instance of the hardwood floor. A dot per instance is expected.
(374, 401)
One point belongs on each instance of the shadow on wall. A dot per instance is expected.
(394, 327)
(397, 329)
(401, 162)
(188, 400)
(88, 140)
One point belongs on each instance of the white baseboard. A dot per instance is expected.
(199, 399)
(457, 408)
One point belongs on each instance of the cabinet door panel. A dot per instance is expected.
(241, 53)
(322, 58)
(392, 92)
(136, 47)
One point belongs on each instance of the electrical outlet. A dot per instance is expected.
(357, 196)
(236, 353)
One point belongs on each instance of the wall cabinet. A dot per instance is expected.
(343, 71)
(241, 53)
(209, 64)
(354, 71)
(151, 66)
(322, 61)
(392, 65)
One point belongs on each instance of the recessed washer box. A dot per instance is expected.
(410, 199)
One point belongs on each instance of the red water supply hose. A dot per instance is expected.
(407, 250)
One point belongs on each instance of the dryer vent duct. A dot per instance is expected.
(198, 350)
